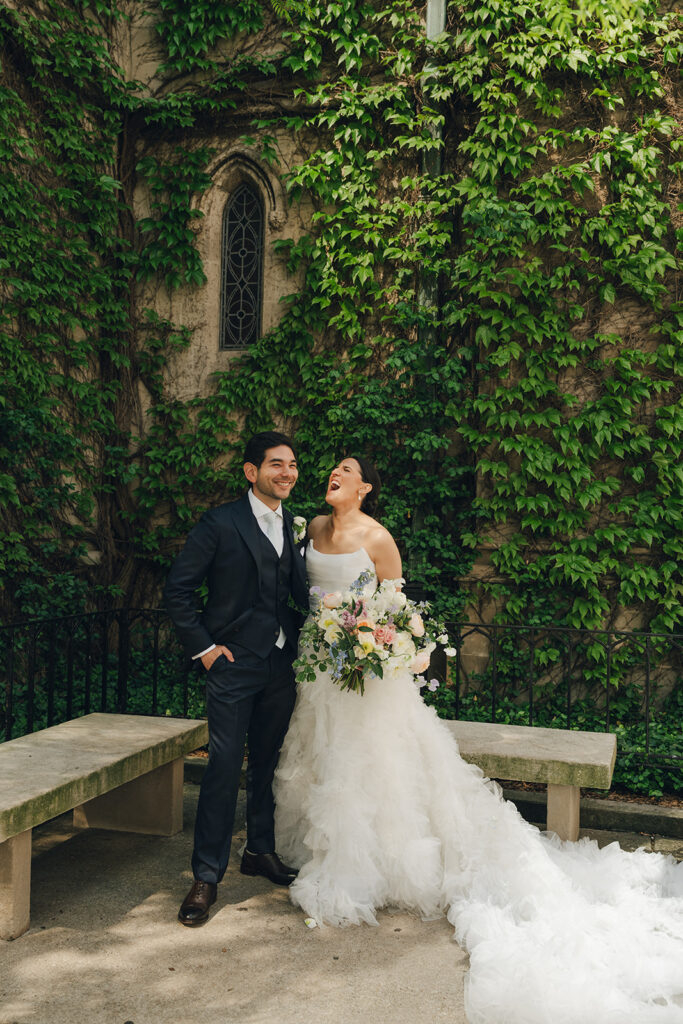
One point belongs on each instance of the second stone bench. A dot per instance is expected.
(563, 759)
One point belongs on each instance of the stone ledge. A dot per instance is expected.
(611, 815)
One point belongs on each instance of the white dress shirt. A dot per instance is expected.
(262, 514)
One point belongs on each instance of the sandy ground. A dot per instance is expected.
(105, 946)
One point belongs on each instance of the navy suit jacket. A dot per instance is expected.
(224, 549)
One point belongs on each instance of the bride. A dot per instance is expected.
(376, 808)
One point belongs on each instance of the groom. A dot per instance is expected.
(246, 639)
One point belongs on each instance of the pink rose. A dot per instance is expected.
(384, 634)
(332, 600)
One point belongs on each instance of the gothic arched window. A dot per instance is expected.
(242, 268)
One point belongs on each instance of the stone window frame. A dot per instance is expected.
(228, 172)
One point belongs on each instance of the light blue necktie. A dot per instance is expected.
(273, 530)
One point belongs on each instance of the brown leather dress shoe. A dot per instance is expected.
(269, 865)
(194, 909)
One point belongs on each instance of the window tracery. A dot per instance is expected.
(242, 268)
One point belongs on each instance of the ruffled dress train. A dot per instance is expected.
(376, 807)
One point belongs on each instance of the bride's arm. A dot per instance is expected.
(315, 526)
(385, 555)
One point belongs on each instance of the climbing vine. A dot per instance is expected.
(553, 211)
(577, 431)
(484, 303)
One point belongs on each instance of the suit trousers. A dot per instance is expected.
(248, 701)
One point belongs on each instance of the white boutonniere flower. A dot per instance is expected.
(298, 528)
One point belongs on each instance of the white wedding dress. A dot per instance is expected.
(376, 808)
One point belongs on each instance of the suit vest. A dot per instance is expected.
(259, 633)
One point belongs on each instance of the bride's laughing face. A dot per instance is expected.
(345, 484)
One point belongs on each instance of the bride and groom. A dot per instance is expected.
(370, 801)
(246, 639)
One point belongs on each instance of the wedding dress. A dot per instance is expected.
(376, 808)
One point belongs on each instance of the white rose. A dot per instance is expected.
(332, 600)
(420, 662)
(367, 642)
(403, 645)
(450, 652)
(332, 633)
(298, 528)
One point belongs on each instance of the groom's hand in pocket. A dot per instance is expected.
(215, 653)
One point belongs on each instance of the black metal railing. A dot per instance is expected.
(129, 661)
(572, 678)
(123, 660)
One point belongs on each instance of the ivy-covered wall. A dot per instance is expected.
(484, 298)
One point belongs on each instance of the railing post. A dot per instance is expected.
(123, 660)
(50, 674)
(88, 667)
(187, 669)
(647, 696)
(69, 674)
(458, 647)
(568, 674)
(608, 675)
(494, 678)
(9, 688)
(155, 664)
(30, 679)
(104, 678)
(532, 645)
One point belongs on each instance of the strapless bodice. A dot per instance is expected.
(336, 571)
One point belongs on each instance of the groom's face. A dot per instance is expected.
(273, 480)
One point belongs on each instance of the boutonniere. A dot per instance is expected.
(298, 528)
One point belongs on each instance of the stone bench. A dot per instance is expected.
(562, 759)
(122, 772)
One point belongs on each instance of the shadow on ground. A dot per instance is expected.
(105, 946)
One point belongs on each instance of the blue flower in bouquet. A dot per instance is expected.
(359, 585)
(338, 657)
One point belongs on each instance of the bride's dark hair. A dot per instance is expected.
(370, 476)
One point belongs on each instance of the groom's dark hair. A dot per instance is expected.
(257, 446)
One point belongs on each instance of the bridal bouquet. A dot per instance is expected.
(355, 635)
